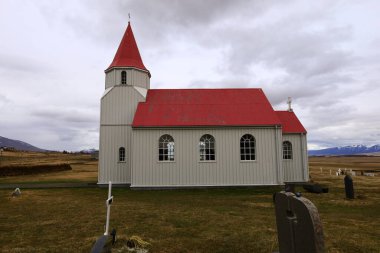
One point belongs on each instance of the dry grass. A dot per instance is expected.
(84, 168)
(207, 220)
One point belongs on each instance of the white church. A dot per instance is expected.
(157, 138)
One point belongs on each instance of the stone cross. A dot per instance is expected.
(299, 227)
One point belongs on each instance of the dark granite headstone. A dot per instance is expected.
(349, 187)
(299, 227)
(101, 245)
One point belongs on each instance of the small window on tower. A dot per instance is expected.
(123, 77)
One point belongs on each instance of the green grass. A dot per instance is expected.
(198, 220)
(207, 220)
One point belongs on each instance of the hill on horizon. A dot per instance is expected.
(346, 150)
(19, 145)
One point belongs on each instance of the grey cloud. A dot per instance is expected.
(305, 53)
(67, 116)
(162, 19)
(16, 63)
(224, 83)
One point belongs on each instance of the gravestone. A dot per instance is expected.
(349, 187)
(16, 192)
(299, 227)
(289, 187)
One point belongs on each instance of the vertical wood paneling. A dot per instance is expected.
(188, 170)
(119, 105)
(295, 169)
(134, 77)
(110, 169)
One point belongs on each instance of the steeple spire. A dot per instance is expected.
(128, 54)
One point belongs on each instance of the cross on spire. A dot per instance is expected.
(289, 104)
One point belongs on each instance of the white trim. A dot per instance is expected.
(142, 91)
(107, 91)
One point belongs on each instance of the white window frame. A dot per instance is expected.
(166, 148)
(247, 148)
(207, 148)
(287, 150)
(123, 77)
(121, 154)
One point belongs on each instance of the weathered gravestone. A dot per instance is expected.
(16, 192)
(299, 227)
(349, 187)
(290, 187)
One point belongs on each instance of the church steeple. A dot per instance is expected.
(128, 54)
(127, 67)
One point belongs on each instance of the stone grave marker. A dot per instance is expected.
(299, 227)
(349, 187)
(16, 192)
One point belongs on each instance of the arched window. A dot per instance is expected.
(247, 148)
(121, 154)
(287, 152)
(207, 148)
(123, 77)
(166, 148)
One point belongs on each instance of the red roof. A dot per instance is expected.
(128, 54)
(290, 122)
(205, 107)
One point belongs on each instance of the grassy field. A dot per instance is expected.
(84, 168)
(201, 220)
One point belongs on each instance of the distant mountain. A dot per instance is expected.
(346, 150)
(89, 151)
(18, 145)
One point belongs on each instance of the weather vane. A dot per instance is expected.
(129, 16)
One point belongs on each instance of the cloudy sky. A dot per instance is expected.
(323, 54)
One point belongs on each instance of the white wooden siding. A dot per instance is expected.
(187, 170)
(296, 169)
(134, 77)
(118, 107)
(110, 169)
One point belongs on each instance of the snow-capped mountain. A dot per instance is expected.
(346, 150)
(88, 151)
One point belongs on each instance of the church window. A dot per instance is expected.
(247, 148)
(287, 150)
(123, 77)
(121, 154)
(166, 148)
(207, 148)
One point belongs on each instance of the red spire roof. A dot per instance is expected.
(128, 54)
